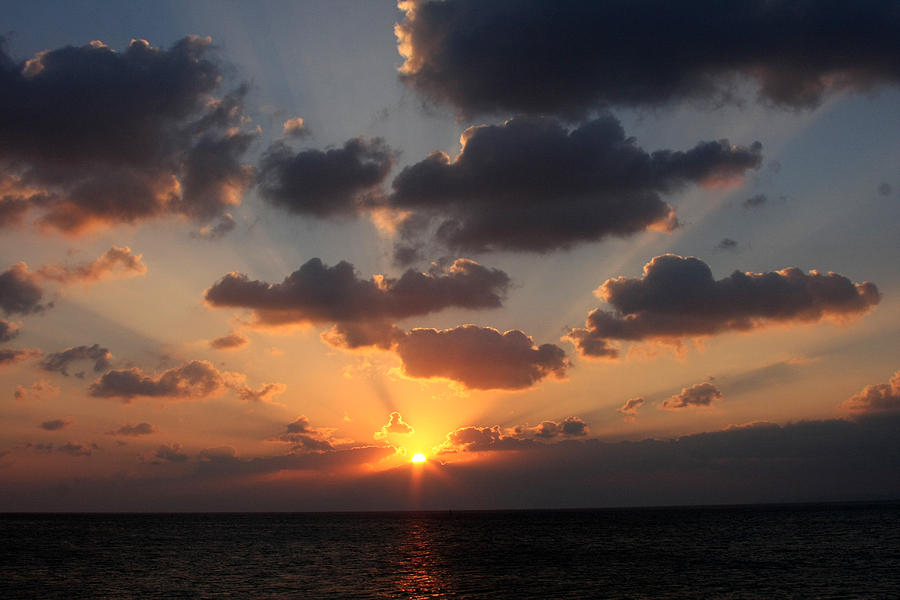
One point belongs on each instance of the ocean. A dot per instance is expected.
(784, 551)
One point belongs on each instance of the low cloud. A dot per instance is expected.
(698, 395)
(395, 426)
(223, 227)
(36, 391)
(169, 454)
(59, 361)
(264, 394)
(77, 449)
(877, 398)
(317, 183)
(10, 356)
(565, 186)
(677, 297)
(94, 137)
(303, 437)
(55, 424)
(194, 380)
(480, 358)
(489, 439)
(363, 310)
(8, 330)
(571, 57)
(20, 292)
(755, 201)
(135, 429)
(631, 406)
(548, 430)
(727, 244)
(115, 261)
(232, 341)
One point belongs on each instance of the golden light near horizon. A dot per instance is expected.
(418, 457)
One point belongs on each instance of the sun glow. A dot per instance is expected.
(418, 457)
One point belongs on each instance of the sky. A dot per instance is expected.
(255, 256)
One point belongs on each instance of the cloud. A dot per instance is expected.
(631, 406)
(395, 426)
(570, 57)
(225, 225)
(294, 128)
(881, 397)
(55, 424)
(304, 438)
(77, 449)
(20, 293)
(755, 201)
(9, 356)
(94, 137)
(193, 380)
(135, 430)
(480, 358)
(36, 391)
(364, 309)
(489, 439)
(263, 394)
(727, 244)
(8, 330)
(325, 183)
(128, 263)
(699, 394)
(677, 297)
(563, 186)
(171, 454)
(59, 361)
(885, 189)
(547, 430)
(232, 341)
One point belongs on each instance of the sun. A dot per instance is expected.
(418, 457)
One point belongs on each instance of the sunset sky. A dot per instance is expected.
(255, 256)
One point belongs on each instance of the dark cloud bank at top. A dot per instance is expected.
(568, 57)
(533, 184)
(92, 136)
(678, 297)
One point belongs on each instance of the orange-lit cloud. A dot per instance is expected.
(131, 429)
(487, 439)
(881, 397)
(20, 293)
(699, 394)
(232, 341)
(36, 391)
(677, 297)
(395, 426)
(9, 356)
(121, 261)
(631, 406)
(60, 361)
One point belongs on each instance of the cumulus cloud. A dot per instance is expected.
(77, 449)
(171, 454)
(488, 439)
(568, 427)
(320, 183)
(60, 361)
(232, 341)
(881, 397)
(699, 394)
(631, 406)
(194, 380)
(10, 356)
(55, 424)
(115, 259)
(303, 437)
(135, 429)
(727, 244)
(569, 57)
(677, 297)
(364, 309)
(395, 426)
(8, 330)
(36, 391)
(223, 227)
(480, 358)
(532, 184)
(294, 128)
(20, 292)
(93, 137)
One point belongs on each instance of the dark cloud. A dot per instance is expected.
(727, 244)
(225, 225)
(325, 183)
(120, 261)
(36, 391)
(135, 430)
(77, 449)
(232, 341)
(264, 394)
(304, 438)
(480, 358)
(532, 184)
(881, 397)
(568, 57)
(395, 426)
(8, 331)
(885, 189)
(363, 309)
(54, 425)
(111, 137)
(631, 406)
(196, 379)
(755, 201)
(699, 394)
(172, 454)
(9, 356)
(488, 439)
(677, 297)
(59, 361)
(570, 426)
(19, 291)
